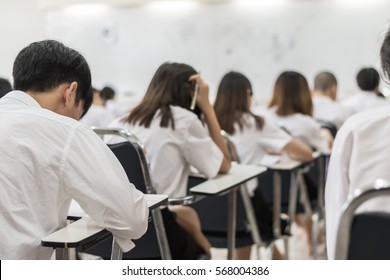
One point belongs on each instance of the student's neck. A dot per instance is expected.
(46, 100)
(320, 93)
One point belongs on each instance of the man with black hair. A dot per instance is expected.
(107, 93)
(360, 155)
(49, 158)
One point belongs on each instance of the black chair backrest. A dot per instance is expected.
(369, 234)
(128, 156)
(131, 156)
(365, 235)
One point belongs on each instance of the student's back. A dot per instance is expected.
(175, 139)
(253, 137)
(364, 100)
(172, 151)
(49, 158)
(361, 155)
(49, 145)
(325, 105)
(368, 80)
(291, 108)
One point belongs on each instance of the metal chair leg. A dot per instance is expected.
(161, 234)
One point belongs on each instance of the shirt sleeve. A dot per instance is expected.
(337, 186)
(200, 150)
(94, 178)
(315, 137)
(273, 137)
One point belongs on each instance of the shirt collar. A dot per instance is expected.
(21, 97)
(323, 97)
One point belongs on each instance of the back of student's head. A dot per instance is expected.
(233, 99)
(368, 79)
(5, 87)
(170, 85)
(232, 94)
(45, 65)
(291, 95)
(385, 56)
(324, 81)
(107, 93)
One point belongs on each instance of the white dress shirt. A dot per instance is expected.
(252, 144)
(364, 100)
(172, 152)
(46, 160)
(360, 155)
(98, 116)
(325, 108)
(302, 127)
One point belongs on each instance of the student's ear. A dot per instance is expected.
(70, 93)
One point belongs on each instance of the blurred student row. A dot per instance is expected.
(325, 106)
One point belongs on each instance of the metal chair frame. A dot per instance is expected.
(380, 189)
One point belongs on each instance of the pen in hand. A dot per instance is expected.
(193, 102)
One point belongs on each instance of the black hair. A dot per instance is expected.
(170, 85)
(43, 66)
(107, 93)
(368, 79)
(5, 87)
(232, 102)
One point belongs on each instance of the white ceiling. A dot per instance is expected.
(53, 4)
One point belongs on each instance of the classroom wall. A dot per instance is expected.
(21, 22)
(124, 45)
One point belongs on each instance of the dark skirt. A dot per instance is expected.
(181, 244)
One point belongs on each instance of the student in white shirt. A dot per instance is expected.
(291, 107)
(360, 156)
(49, 158)
(107, 93)
(368, 80)
(325, 106)
(109, 96)
(98, 115)
(175, 139)
(253, 137)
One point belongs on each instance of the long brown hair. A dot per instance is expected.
(169, 86)
(291, 95)
(232, 102)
